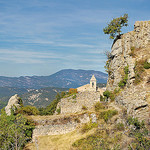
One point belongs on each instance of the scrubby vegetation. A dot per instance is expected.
(98, 106)
(106, 115)
(107, 94)
(119, 127)
(58, 110)
(100, 140)
(15, 131)
(28, 110)
(51, 108)
(123, 82)
(146, 65)
(139, 134)
(110, 138)
(139, 70)
(84, 107)
(132, 53)
(88, 126)
(107, 64)
(72, 91)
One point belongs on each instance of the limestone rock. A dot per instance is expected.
(13, 102)
(130, 48)
(94, 118)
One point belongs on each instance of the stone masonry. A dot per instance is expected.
(58, 124)
(70, 105)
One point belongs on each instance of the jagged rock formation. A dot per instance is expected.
(14, 102)
(130, 50)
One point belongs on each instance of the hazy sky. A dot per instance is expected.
(41, 37)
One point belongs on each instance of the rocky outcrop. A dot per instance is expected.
(127, 51)
(13, 103)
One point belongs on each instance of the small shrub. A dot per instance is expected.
(73, 91)
(77, 120)
(135, 122)
(78, 142)
(103, 99)
(88, 126)
(123, 82)
(63, 93)
(58, 110)
(126, 69)
(99, 106)
(116, 90)
(74, 96)
(139, 135)
(84, 107)
(106, 115)
(106, 94)
(120, 126)
(132, 53)
(146, 65)
(112, 96)
(28, 110)
(139, 69)
(107, 67)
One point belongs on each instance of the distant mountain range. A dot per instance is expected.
(67, 78)
(41, 90)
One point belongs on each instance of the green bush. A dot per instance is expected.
(106, 115)
(135, 122)
(88, 126)
(28, 110)
(102, 98)
(84, 107)
(74, 96)
(139, 69)
(98, 106)
(119, 126)
(106, 94)
(15, 131)
(58, 110)
(123, 82)
(146, 65)
(63, 93)
(139, 135)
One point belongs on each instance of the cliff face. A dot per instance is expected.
(127, 72)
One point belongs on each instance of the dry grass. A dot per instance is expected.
(58, 142)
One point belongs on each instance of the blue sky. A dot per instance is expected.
(41, 37)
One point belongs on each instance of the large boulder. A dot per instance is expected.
(13, 103)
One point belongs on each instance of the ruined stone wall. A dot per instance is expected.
(73, 105)
(134, 97)
(58, 125)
